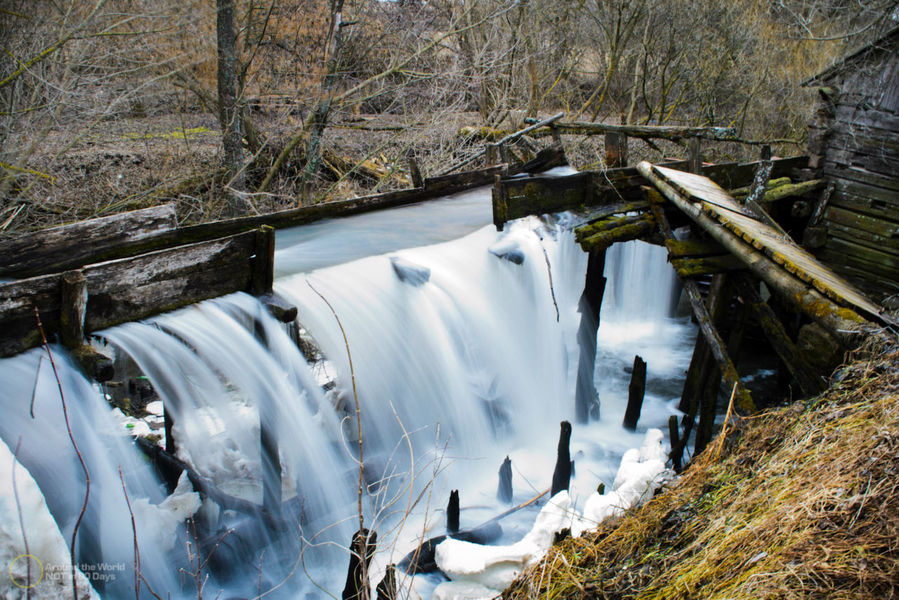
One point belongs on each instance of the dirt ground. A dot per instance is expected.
(139, 161)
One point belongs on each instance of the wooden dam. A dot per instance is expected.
(803, 249)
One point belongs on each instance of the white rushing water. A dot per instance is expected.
(459, 357)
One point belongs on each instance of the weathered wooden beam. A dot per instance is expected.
(709, 265)
(515, 198)
(71, 246)
(742, 192)
(810, 381)
(608, 224)
(279, 308)
(669, 132)
(69, 254)
(638, 228)
(719, 300)
(135, 288)
(843, 322)
(716, 344)
(693, 248)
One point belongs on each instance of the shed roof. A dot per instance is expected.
(885, 44)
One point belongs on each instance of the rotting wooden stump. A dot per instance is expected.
(636, 391)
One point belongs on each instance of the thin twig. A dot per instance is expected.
(723, 434)
(549, 271)
(134, 536)
(37, 378)
(87, 476)
(355, 399)
(15, 492)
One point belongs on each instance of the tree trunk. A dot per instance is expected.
(229, 112)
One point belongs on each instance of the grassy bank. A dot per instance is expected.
(797, 502)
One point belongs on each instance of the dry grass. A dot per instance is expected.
(802, 503)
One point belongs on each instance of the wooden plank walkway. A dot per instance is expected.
(717, 204)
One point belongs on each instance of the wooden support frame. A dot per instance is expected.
(712, 337)
(811, 382)
(844, 323)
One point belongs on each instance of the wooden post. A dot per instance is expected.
(636, 390)
(72, 309)
(362, 548)
(718, 303)
(616, 150)
(695, 148)
(504, 489)
(586, 401)
(264, 261)
(72, 312)
(554, 132)
(676, 449)
(491, 152)
(452, 513)
(562, 472)
(504, 154)
(386, 589)
(415, 173)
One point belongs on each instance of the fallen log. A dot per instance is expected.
(172, 467)
(667, 132)
(509, 138)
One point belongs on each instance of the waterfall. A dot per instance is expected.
(463, 352)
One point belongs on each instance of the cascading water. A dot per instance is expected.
(463, 352)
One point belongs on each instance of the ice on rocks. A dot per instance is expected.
(480, 571)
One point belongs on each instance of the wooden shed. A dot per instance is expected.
(854, 145)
